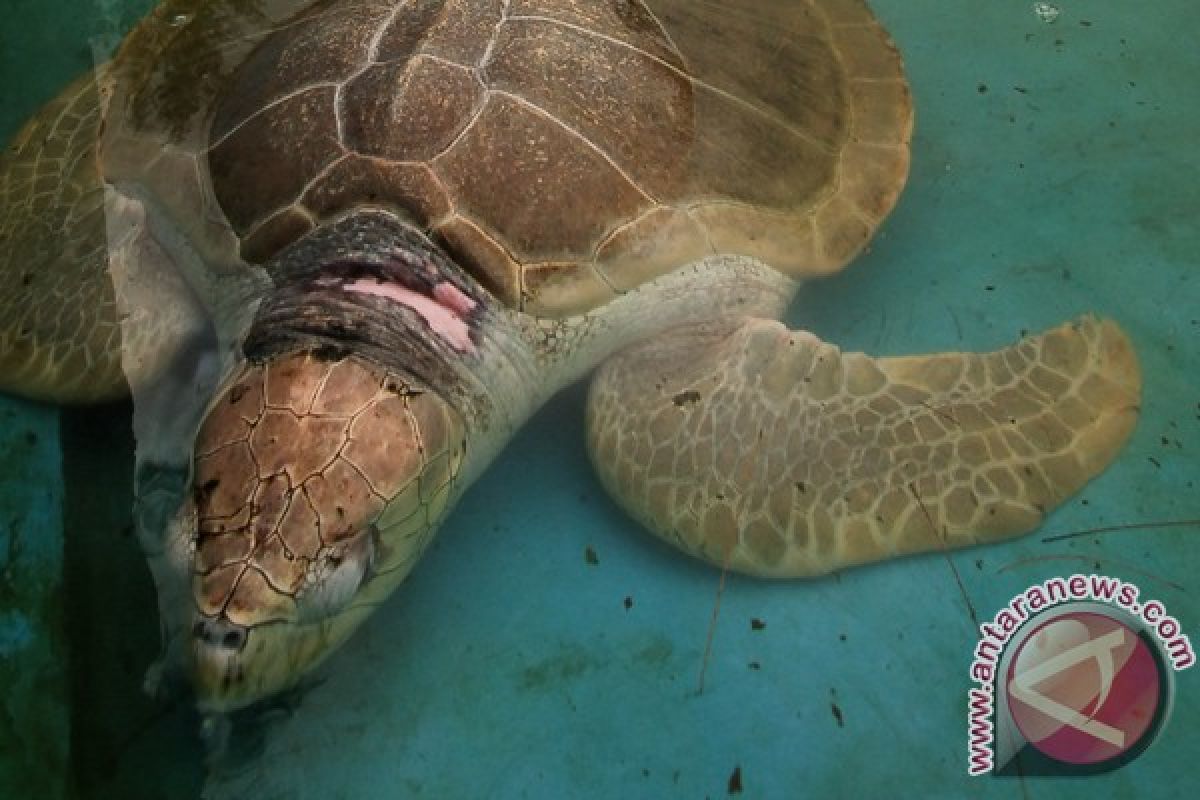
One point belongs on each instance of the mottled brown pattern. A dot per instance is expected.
(462, 31)
(409, 111)
(224, 480)
(407, 33)
(534, 185)
(636, 110)
(297, 462)
(373, 182)
(629, 22)
(267, 162)
(310, 53)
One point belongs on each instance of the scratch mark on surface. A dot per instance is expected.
(958, 332)
(712, 623)
(1133, 526)
(962, 589)
(1092, 560)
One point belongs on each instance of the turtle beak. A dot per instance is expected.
(233, 666)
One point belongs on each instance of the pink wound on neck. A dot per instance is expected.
(443, 312)
(452, 297)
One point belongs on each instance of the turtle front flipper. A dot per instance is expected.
(772, 452)
(88, 301)
(59, 334)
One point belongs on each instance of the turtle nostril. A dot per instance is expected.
(220, 633)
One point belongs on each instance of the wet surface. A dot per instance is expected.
(509, 666)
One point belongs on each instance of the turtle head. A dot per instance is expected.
(318, 482)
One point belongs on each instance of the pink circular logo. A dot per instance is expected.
(1084, 688)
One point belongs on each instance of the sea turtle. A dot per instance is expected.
(340, 250)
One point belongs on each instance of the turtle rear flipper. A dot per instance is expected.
(89, 301)
(773, 453)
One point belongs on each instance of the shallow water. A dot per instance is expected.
(1054, 173)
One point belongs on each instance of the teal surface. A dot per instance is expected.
(1054, 173)
(34, 713)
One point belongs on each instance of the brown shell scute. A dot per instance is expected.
(633, 109)
(627, 21)
(455, 30)
(371, 181)
(564, 150)
(378, 108)
(536, 186)
(268, 160)
(785, 168)
(285, 62)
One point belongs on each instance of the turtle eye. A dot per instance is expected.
(334, 578)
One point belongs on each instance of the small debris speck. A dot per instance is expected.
(589, 555)
(757, 624)
(684, 399)
(1046, 12)
(628, 602)
(735, 781)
